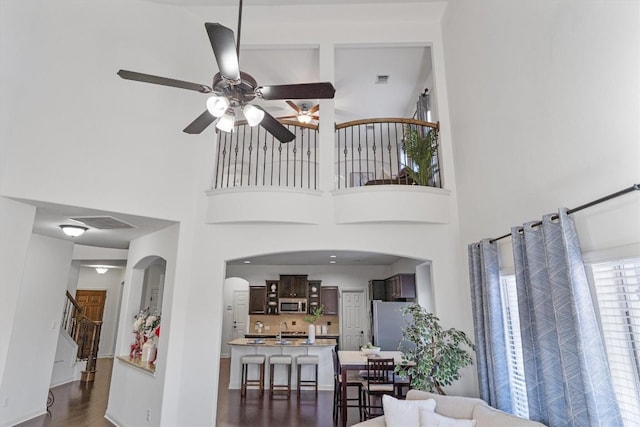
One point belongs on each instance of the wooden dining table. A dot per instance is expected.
(357, 360)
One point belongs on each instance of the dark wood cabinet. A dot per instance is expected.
(293, 286)
(401, 286)
(314, 294)
(257, 299)
(329, 297)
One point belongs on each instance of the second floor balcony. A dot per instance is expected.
(375, 170)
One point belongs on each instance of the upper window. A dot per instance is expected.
(617, 286)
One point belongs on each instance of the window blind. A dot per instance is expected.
(511, 321)
(617, 286)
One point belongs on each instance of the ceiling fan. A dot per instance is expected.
(304, 113)
(233, 89)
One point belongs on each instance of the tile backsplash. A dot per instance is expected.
(273, 322)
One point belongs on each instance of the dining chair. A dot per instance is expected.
(380, 380)
(353, 380)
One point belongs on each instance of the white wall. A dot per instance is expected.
(111, 282)
(16, 222)
(35, 331)
(544, 100)
(134, 392)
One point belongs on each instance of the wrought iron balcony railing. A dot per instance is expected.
(368, 152)
(251, 157)
(387, 151)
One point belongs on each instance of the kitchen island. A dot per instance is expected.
(295, 347)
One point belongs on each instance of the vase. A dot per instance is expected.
(148, 351)
(312, 333)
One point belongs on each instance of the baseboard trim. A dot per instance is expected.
(112, 420)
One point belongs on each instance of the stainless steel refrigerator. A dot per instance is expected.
(387, 322)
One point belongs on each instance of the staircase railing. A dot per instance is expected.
(85, 332)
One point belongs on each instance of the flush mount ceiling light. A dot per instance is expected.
(101, 270)
(73, 230)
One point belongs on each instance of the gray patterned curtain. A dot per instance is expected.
(566, 369)
(491, 349)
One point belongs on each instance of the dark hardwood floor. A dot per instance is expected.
(254, 411)
(79, 404)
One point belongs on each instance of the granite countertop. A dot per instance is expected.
(293, 342)
(289, 335)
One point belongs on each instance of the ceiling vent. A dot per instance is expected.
(382, 79)
(102, 222)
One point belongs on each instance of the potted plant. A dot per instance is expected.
(311, 319)
(422, 148)
(437, 354)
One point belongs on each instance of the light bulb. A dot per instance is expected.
(101, 270)
(217, 105)
(73, 230)
(253, 114)
(226, 122)
(304, 118)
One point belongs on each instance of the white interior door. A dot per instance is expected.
(353, 320)
(240, 314)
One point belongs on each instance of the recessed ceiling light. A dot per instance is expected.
(247, 262)
(332, 256)
(332, 262)
(101, 270)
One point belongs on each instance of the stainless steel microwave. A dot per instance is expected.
(292, 305)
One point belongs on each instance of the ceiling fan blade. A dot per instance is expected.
(294, 106)
(148, 78)
(200, 123)
(275, 128)
(314, 108)
(224, 49)
(323, 90)
(294, 116)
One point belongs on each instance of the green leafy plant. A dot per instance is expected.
(437, 354)
(315, 314)
(422, 148)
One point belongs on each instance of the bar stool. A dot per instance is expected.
(310, 361)
(275, 360)
(252, 359)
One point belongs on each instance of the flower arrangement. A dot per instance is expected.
(145, 326)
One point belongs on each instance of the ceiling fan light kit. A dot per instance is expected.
(227, 121)
(217, 105)
(233, 88)
(253, 114)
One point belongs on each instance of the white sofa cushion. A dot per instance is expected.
(449, 406)
(431, 419)
(403, 413)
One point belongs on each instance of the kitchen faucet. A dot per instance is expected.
(280, 329)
